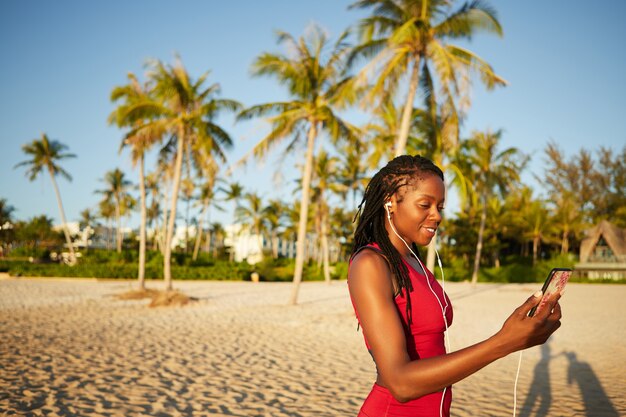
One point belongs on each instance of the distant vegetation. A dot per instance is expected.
(401, 69)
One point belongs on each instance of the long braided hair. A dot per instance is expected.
(404, 170)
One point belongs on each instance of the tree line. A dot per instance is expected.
(400, 67)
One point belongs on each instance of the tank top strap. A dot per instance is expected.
(373, 247)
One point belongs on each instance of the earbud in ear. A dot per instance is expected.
(387, 207)
(388, 204)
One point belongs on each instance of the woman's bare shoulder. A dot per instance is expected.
(370, 268)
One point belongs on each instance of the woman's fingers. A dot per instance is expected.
(531, 302)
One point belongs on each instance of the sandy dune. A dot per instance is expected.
(69, 348)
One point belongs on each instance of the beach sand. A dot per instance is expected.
(69, 348)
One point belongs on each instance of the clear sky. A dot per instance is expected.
(564, 60)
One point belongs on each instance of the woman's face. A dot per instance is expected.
(416, 211)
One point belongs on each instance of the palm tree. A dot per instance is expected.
(132, 95)
(87, 219)
(351, 171)
(382, 133)
(408, 36)
(106, 209)
(218, 233)
(233, 192)
(273, 214)
(45, 154)
(186, 110)
(6, 224)
(252, 216)
(116, 192)
(207, 195)
(325, 178)
(492, 169)
(537, 225)
(316, 80)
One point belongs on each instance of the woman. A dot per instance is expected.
(401, 307)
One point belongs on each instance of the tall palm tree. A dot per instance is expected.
(325, 179)
(315, 78)
(132, 95)
(185, 109)
(46, 154)
(493, 171)
(407, 36)
(116, 192)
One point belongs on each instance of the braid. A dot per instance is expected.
(370, 217)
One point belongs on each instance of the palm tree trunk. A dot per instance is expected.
(167, 256)
(536, 240)
(565, 242)
(325, 250)
(66, 232)
(304, 211)
(274, 239)
(407, 112)
(479, 244)
(118, 221)
(141, 275)
(163, 233)
(196, 246)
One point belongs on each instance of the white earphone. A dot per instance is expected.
(388, 205)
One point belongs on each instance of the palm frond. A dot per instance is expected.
(469, 19)
(474, 62)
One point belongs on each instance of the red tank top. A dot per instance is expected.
(424, 339)
(425, 335)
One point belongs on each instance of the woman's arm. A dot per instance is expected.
(371, 289)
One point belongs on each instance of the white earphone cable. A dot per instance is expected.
(519, 366)
(443, 309)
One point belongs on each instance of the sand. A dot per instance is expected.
(69, 348)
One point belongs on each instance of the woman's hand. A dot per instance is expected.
(520, 331)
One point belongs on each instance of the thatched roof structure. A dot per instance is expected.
(614, 237)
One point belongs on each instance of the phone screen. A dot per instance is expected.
(557, 278)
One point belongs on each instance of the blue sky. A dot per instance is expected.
(564, 61)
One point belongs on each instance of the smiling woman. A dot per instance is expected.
(401, 307)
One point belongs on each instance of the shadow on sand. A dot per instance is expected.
(597, 403)
(539, 398)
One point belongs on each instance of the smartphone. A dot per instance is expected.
(557, 278)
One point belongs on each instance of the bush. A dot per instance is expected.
(219, 271)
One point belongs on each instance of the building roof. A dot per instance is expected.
(614, 236)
